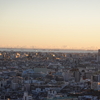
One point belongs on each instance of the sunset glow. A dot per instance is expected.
(50, 24)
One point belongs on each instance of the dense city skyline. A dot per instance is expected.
(50, 24)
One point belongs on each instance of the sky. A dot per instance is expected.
(50, 24)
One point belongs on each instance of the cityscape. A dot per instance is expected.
(49, 50)
(49, 76)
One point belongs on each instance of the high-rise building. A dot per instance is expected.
(26, 96)
(95, 84)
(66, 75)
(98, 56)
(77, 76)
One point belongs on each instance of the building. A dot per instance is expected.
(27, 97)
(77, 75)
(66, 75)
(95, 84)
(98, 56)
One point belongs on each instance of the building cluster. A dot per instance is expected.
(49, 76)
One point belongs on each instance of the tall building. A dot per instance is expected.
(26, 96)
(77, 76)
(98, 56)
(95, 84)
(66, 75)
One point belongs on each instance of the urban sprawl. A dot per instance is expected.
(49, 76)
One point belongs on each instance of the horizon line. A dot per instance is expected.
(46, 48)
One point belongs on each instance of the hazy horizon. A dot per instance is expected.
(50, 24)
(48, 48)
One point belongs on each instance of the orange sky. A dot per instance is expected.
(61, 24)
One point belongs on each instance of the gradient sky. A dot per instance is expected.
(62, 24)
